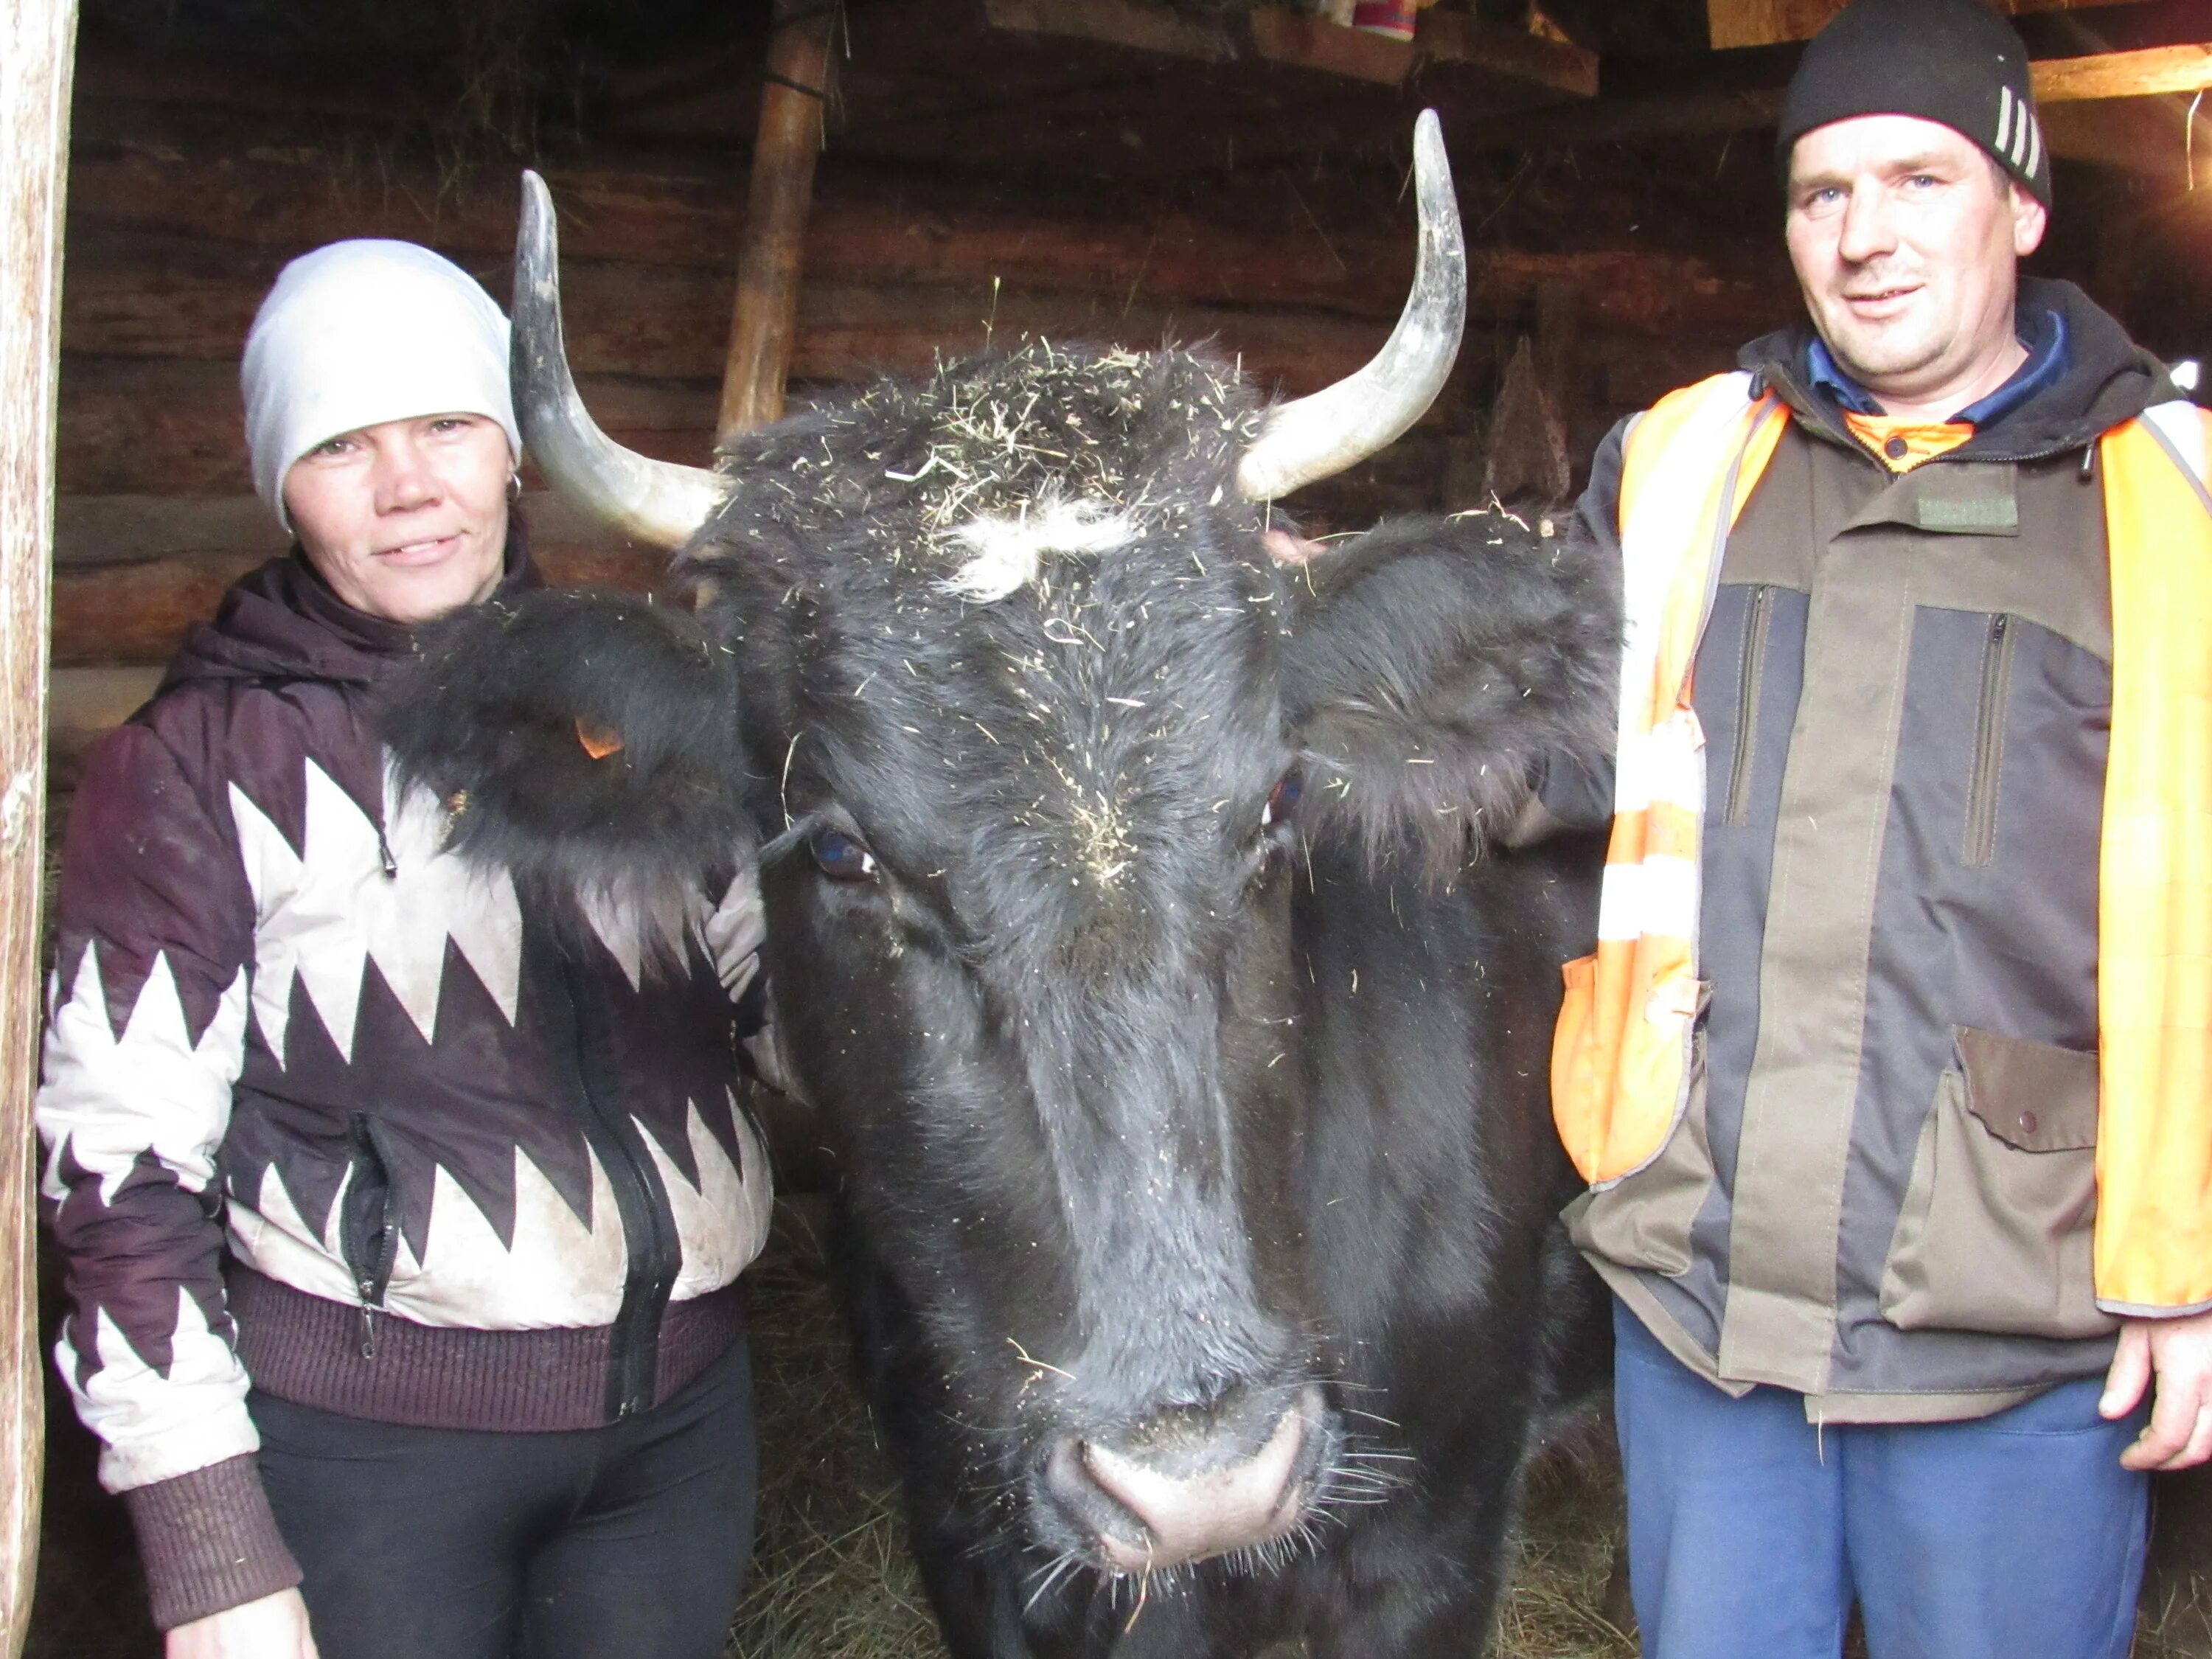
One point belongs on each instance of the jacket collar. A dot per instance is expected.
(2106, 380)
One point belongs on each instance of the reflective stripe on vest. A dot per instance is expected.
(1619, 1066)
(1620, 1060)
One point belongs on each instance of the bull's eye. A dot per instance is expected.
(1282, 801)
(842, 857)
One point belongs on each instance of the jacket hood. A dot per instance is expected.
(282, 622)
(2111, 381)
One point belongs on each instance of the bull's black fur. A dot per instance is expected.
(1146, 1100)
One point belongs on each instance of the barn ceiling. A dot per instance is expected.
(1123, 90)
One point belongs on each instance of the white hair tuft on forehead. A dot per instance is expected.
(1010, 549)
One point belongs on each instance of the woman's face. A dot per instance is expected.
(406, 520)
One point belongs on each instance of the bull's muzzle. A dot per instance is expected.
(1189, 1484)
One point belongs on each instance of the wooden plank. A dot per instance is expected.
(226, 180)
(2058, 81)
(1305, 41)
(1458, 37)
(1765, 22)
(1771, 22)
(90, 530)
(2153, 71)
(37, 50)
(1115, 23)
(1300, 39)
(765, 315)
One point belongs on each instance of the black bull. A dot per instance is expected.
(1132, 926)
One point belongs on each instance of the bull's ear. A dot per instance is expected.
(1434, 661)
(587, 743)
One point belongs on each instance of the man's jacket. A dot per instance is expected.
(1836, 1071)
(469, 1172)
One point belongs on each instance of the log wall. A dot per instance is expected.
(180, 216)
(184, 203)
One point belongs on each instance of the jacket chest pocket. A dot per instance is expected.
(1996, 1229)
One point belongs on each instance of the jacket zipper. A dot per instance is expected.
(1751, 672)
(1981, 844)
(370, 1241)
(648, 1222)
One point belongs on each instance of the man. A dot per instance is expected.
(1891, 1073)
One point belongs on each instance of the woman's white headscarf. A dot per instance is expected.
(361, 332)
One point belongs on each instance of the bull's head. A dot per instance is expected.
(1023, 716)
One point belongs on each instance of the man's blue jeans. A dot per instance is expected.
(1751, 1533)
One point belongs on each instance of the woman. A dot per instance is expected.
(400, 1232)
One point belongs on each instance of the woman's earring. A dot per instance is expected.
(514, 486)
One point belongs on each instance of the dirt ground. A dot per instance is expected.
(830, 1576)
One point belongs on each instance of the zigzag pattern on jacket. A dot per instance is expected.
(388, 979)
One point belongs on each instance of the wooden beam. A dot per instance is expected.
(1770, 22)
(2059, 81)
(1301, 39)
(1458, 37)
(38, 41)
(766, 312)
(1304, 41)
(2145, 74)
(1115, 23)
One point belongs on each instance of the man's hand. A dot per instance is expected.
(2179, 1433)
(275, 1627)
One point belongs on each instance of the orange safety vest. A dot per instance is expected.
(1620, 1056)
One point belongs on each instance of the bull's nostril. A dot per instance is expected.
(1196, 1496)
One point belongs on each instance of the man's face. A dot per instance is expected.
(1905, 243)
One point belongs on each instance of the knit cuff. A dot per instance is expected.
(208, 1541)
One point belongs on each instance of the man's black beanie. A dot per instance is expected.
(1958, 62)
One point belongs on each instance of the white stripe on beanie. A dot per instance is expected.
(361, 332)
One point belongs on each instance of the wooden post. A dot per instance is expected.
(37, 45)
(765, 317)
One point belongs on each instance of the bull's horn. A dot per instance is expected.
(1312, 437)
(657, 503)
